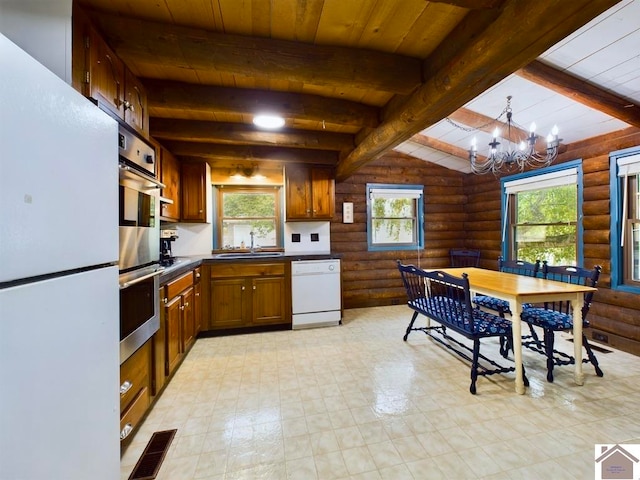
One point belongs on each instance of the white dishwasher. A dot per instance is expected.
(316, 299)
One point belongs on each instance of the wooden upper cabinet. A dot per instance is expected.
(322, 192)
(194, 192)
(170, 177)
(100, 75)
(105, 75)
(310, 192)
(135, 103)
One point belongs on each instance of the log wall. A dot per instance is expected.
(372, 278)
(463, 210)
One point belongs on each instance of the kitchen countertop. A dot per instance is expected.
(185, 264)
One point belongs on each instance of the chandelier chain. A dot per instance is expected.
(479, 127)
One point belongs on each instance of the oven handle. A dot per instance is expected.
(148, 178)
(138, 280)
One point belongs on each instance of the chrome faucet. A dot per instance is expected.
(251, 249)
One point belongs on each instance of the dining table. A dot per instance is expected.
(521, 289)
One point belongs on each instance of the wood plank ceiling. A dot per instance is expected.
(353, 79)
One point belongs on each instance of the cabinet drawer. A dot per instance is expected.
(247, 270)
(134, 375)
(132, 416)
(177, 286)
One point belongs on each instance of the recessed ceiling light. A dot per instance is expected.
(268, 121)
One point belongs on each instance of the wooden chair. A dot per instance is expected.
(464, 258)
(557, 316)
(446, 300)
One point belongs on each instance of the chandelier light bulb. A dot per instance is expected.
(474, 145)
(522, 146)
(496, 133)
(554, 131)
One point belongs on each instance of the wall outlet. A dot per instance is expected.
(315, 237)
(295, 237)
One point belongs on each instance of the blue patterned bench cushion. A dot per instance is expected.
(545, 318)
(447, 311)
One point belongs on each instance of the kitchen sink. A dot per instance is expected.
(237, 255)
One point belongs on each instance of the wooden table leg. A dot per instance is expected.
(516, 327)
(576, 304)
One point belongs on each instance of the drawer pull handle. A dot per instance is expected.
(186, 304)
(197, 275)
(124, 433)
(125, 387)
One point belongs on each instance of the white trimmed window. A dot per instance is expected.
(395, 217)
(541, 216)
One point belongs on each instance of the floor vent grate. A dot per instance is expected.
(153, 455)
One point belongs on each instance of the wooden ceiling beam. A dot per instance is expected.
(180, 97)
(581, 91)
(470, 4)
(493, 54)
(442, 146)
(242, 134)
(156, 43)
(230, 153)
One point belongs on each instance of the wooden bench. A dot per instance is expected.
(446, 300)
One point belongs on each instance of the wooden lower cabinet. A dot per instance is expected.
(268, 300)
(180, 312)
(197, 301)
(160, 351)
(135, 389)
(188, 323)
(247, 295)
(173, 314)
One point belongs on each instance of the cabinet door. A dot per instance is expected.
(194, 195)
(106, 75)
(188, 323)
(298, 191)
(173, 317)
(170, 176)
(135, 103)
(197, 307)
(322, 193)
(228, 304)
(268, 300)
(159, 350)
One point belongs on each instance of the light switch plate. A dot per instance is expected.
(347, 212)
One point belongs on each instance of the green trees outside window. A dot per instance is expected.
(245, 213)
(545, 225)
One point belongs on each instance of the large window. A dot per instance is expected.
(248, 217)
(541, 216)
(625, 220)
(395, 217)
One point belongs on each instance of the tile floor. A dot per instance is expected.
(356, 402)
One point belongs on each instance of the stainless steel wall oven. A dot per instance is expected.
(139, 221)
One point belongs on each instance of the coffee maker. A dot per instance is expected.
(167, 237)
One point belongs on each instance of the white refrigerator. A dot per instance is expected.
(59, 300)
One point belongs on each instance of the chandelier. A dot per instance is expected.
(517, 149)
